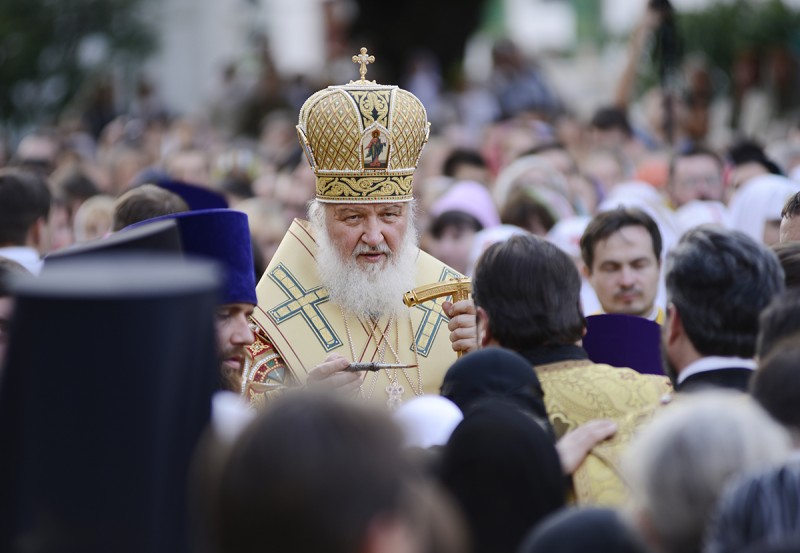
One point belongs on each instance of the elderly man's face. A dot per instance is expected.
(371, 234)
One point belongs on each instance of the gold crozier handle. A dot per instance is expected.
(459, 288)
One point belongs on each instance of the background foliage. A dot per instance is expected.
(724, 30)
(51, 49)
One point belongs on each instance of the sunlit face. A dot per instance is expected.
(695, 178)
(790, 229)
(605, 169)
(370, 233)
(233, 334)
(625, 272)
(772, 232)
(60, 228)
(454, 245)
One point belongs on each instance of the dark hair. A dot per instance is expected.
(462, 157)
(789, 256)
(748, 151)
(611, 118)
(237, 184)
(309, 475)
(607, 223)
(76, 186)
(776, 384)
(694, 150)
(531, 292)
(145, 202)
(781, 318)
(24, 199)
(458, 219)
(719, 281)
(792, 206)
(522, 209)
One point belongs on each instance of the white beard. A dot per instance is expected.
(372, 291)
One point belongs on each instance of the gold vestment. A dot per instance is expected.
(577, 391)
(298, 327)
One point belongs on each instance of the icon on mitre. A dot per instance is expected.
(375, 145)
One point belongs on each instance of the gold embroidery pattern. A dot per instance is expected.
(409, 130)
(264, 365)
(348, 189)
(576, 392)
(373, 106)
(363, 139)
(330, 133)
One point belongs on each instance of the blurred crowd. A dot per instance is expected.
(620, 192)
(683, 151)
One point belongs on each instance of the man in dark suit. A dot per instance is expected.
(718, 282)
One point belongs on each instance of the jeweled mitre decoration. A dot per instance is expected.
(363, 140)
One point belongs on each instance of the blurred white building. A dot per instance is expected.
(198, 37)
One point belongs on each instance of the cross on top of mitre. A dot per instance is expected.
(364, 60)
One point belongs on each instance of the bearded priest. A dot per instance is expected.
(333, 293)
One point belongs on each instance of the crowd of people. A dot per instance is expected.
(226, 343)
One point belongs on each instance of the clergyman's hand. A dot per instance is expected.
(331, 374)
(575, 445)
(463, 329)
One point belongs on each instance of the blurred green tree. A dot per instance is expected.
(50, 49)
(725, 30)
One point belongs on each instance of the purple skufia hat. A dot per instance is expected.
(196, 197)
(624, 341)
(223, 236)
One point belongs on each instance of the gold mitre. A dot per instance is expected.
(363, 140)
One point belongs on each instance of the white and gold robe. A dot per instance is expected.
(297, 327)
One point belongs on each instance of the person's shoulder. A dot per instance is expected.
(633, 388)
(733, 378)
(657, 384)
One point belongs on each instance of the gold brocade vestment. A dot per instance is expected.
(578, 391)
(298, 327)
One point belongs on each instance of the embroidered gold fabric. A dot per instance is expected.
(297, 326)
(365, 189)
(576, 392)
(363, 140)
(263, 365)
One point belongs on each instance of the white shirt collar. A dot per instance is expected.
(714, 362)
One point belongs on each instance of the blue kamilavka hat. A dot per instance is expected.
(222, 235)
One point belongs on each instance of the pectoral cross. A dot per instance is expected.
(395, 392)
(364, 60)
